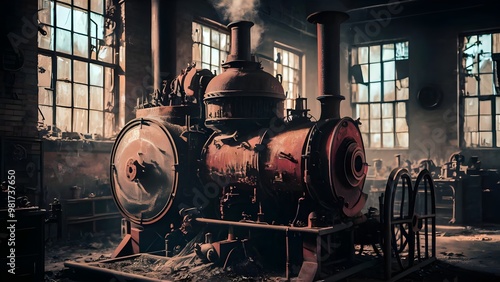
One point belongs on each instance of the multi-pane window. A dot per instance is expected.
(76, 65)
(288, 64)
(479, 90)
(380, 93)
(210, 47)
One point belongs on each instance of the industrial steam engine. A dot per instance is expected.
(216, 155)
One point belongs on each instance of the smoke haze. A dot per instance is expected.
(237, 10)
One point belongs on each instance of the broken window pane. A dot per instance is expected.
(496, 44)
(80, 120)
(96, 75)
(63, 118)
(388, 140)
(486, 84)
(96, 97)
(364, 72)
(485, 45)
(485, 107)
(80, 70)
(375, 140)
(362, 93)
(205, 54)
(389, 91)
(387, 110)
(389, 70)
(97, 6)
(81, 3)
(44, 96)
(80, 19)
(387, 125)
(205, 35)
(362, 111)
(106, 54)
(375, 125)
(363, 55)
(97, 25)
(485, 122)
(486, 139)
(374, 53)
(63, 93)
(388, 52)
(63, 69)
(215, 40)
(401, 125)
(47, 115)
(63, 16)
(45, 14)
(402, 139)
(486, 64)
(96, 122)
(471, 123)
(471, 107)
(402, 94)
(46, 41)
(80, 95)
(63, 42)
(224, 39)
(375, 111)
(402, 50)
(44, 71)
(401, 109)
(470, 86)
(375, 72)
(375, 92)
(81, 45)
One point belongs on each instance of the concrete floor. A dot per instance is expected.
(464, 253)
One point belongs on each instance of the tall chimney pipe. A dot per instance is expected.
(155, 43)
(240, 41)
(328, 33)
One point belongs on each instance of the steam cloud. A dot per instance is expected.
(237, 10)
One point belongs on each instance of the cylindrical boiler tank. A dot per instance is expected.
(270, 171)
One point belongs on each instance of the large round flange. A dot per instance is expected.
(347, 166)
(143, 176)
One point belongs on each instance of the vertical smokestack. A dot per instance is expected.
(328, 33)
(240, 41)
(155, 43)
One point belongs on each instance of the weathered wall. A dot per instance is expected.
(18, 74)
(76, 163)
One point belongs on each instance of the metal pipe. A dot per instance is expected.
(240, 41)
(328, 34)
(155, 43)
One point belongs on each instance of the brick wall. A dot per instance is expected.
(18, 75)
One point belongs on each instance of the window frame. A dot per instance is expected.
(398, 105)
(107, 121)
(297, 68)
(213, 26)
(493, 110)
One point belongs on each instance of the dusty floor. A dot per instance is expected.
(464, 254)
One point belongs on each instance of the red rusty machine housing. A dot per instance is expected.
(236, 161)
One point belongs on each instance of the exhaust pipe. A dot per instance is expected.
(240, 41)
(328, 33)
